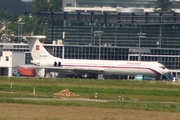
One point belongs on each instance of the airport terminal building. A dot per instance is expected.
(111, 30)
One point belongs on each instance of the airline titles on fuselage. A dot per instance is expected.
(134, 63)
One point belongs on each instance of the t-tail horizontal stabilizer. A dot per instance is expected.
(38, 52)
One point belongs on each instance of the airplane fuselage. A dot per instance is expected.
(42, 59)
(108, 67)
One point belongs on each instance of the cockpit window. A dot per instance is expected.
(163, 67)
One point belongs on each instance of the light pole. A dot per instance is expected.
(20, 33)
(115, 36)
(18, 30)
(99, 34)
(21, 23)
(140, 35)
(160, 36)
(63, 37)
(43, 24)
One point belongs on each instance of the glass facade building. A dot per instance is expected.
(122, 3)
(161, 42)
(77, 33)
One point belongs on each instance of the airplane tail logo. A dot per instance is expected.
(37, 47)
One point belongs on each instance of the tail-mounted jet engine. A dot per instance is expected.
(57, 64)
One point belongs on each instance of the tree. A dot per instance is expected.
(47, 5)
(163, 6)
(7, 16)
(15, 6)
(41, 5)
(55, 5)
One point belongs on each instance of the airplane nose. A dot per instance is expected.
(165, 71)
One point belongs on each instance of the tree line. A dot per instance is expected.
(16, 6)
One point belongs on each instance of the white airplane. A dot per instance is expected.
(43, 59)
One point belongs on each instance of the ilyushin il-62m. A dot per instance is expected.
(43, 59)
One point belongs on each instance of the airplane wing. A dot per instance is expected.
(88, 70)
(68, 69)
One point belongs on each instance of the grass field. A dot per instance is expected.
(16, 111)
(140, 95)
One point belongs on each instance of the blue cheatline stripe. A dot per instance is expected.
(155, 72)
